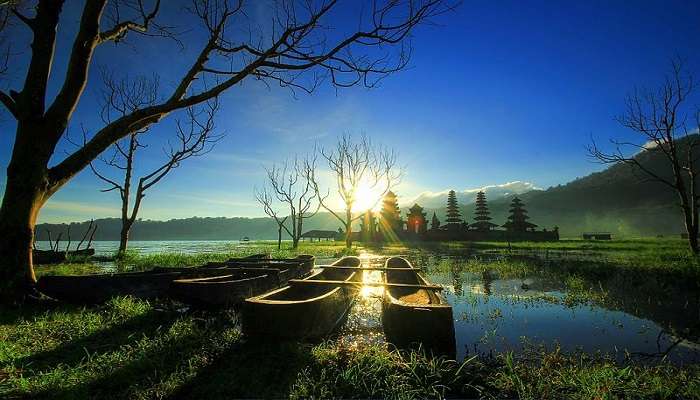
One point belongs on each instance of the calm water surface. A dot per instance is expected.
(496, 315)
(109, 247)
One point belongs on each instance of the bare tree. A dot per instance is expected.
(195, 137)
(298, 37)
(292, 184)
(268, 201)
(659, 117)
(353, 163)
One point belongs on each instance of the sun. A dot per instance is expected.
(367, 197)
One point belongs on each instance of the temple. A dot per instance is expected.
(388, 225)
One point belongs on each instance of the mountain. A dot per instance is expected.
(436, 200)
(195, 228)
(618, 200)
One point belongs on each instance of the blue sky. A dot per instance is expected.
(500, 91)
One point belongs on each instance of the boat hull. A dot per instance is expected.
(233, 284)
(223, 290)
(89, 289)
(101, 287)
(414, 318)
(302, 312)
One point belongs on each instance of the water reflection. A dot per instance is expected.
(364, 325)
(641, 317)
(494, 314)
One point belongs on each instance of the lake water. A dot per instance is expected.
(109, 247)
(495, 315)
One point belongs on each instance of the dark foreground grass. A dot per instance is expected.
(137, 350)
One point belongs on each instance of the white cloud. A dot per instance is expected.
(467, 196)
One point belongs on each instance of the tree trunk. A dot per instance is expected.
(693, 240)
(691, 226)
(25, 192)
(297, 235)
(348, 229)
(689, 214)
(279, 237)
(124, 237)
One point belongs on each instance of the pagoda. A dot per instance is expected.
(434, 223)
(416, 222)
(390, 224)
(454, 218)
(517, 220)
(482, 217)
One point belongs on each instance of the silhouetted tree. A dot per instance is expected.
(195, 137)
(482, 217)
(292, 183)
(659, 117)
(298, 37)
(268, 201)
(353, 163)
(454, 217)
(517, 220)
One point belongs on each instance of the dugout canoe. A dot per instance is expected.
(307, 259)
(97, 288)
(303, 311)
(259, 256)
(289, 267)
(416, 316)
(231, 288)
(233, 284)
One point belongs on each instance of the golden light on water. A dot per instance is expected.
(364, 326)
(370, 276)
(371, 291)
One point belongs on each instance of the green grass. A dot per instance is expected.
(139, 350)
(128, 348)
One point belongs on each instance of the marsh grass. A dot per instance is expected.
(374, 372)
(67, 269)
(579, 376)
(129, 348)
(134, 349)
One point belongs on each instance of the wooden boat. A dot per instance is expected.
(301, 310)
(259, 256)
(154, 283)
(55, 257)
(302, 258)
(98, 288)
(414, 316)
(234, 283)
(227, 288)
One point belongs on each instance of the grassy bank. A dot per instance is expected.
(135, 349)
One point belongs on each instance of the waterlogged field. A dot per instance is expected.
(569, 319)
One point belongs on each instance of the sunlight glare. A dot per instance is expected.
(367, 197)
